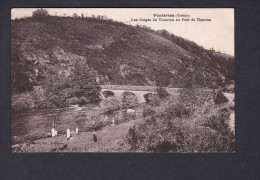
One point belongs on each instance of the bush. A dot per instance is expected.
(22, 102)
(152, 99)
(108, 93)
(192, 99)
(40, 13)
(162, 93)
(161, 134)
(32, 99)
(129, 100)
(73, 100)
(178, 110)
(148, 112)
(157, 135)
(132, 137)
(98, 125)
(110, 104)
(173, 127)
(220, 98)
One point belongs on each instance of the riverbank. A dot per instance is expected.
(209, 119)
(109, 139)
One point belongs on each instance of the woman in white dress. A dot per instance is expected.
(68, 133)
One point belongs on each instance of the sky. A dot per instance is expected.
(217, 33)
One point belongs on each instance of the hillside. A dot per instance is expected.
(170, 90)
(113, 52)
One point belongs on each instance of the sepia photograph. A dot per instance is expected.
(122, 80)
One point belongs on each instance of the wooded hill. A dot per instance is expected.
(114, 53)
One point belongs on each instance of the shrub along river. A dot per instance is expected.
(35, 124)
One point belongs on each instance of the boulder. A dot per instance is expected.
(130, 111)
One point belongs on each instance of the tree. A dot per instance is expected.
(84, 79)
(162, 93)
(80, 85)
(20, 74)
(220, 98)
(75, 15)
(129, 99)
(40, 13)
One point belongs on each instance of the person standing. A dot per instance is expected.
(68, 133)
(53, 131)
(94, 133)
(94, 137)
(113, 121)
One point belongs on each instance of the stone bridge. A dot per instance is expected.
(139, 91)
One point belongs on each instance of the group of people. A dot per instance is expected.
(54, 132)
(68, 132)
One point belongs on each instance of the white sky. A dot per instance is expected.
(217, 34)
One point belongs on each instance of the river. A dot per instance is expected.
(35, 124)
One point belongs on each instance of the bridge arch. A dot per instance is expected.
(108, 93)
(151, 99)
(129, 99)
(138, 92)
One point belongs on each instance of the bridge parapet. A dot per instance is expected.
(129, 88)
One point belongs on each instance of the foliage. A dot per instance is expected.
(149, 111)
(129, 100)
(188, 99)
(192, 98)
(84, 80)
(220, 98)
(71, 36)
(178, 110)
(22, 102)
(40, 13)
(152, 99)
(61, 90)
(79, 84)
(20, 79)
(98, 124)
(108, 93)
(75, 15)
(110, 104)
(162, 93)
(229, 88)
(175, 127)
